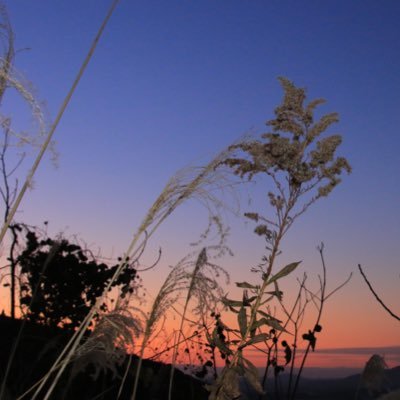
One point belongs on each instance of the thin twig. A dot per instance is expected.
(376, 296)
(322, 301)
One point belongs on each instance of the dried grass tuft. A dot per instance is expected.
(106, 346)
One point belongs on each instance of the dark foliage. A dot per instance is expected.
(60, 281)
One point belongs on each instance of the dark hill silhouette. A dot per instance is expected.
(39, 348)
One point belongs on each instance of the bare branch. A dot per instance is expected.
(376, 296)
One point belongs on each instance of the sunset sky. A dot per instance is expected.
(172, 83)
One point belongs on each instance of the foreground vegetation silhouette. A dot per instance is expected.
(100, 348)
(61, 281)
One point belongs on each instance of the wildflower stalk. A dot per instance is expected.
(246, 336)
(302, 174)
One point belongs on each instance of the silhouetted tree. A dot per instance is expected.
(60, 281)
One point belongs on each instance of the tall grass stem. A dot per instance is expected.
(54, 125)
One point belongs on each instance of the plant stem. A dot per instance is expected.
(201, 260)
(53, 127)
(322, 300)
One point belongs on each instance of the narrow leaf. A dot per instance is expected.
(262, 337)
(268, 316)
(232, 309)
(284, 271)
(231, 303)
(250, 300)
(242, 320)
(259, 323)
(273, 323)
(245, 285)
(278, 293)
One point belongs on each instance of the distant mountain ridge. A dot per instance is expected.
(326, 388)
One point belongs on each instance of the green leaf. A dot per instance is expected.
(270, 321)
(242, 320)
(274, 293)
(273, 323)
(264, 314)
(246, 285)
(259, 323)
(231, 303)
(233, 310)
(278, 293)
(247, 301)
(262, 337)
(284, 271)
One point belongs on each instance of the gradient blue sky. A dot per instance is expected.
(173, 82)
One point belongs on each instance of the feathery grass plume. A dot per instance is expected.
(17, 141)
(168, 294)
(107, 344)
(204, 287)
(7, 41)
(11, 80)
(199, 283)
(21, 141)
(303, 168)
(189, 183)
